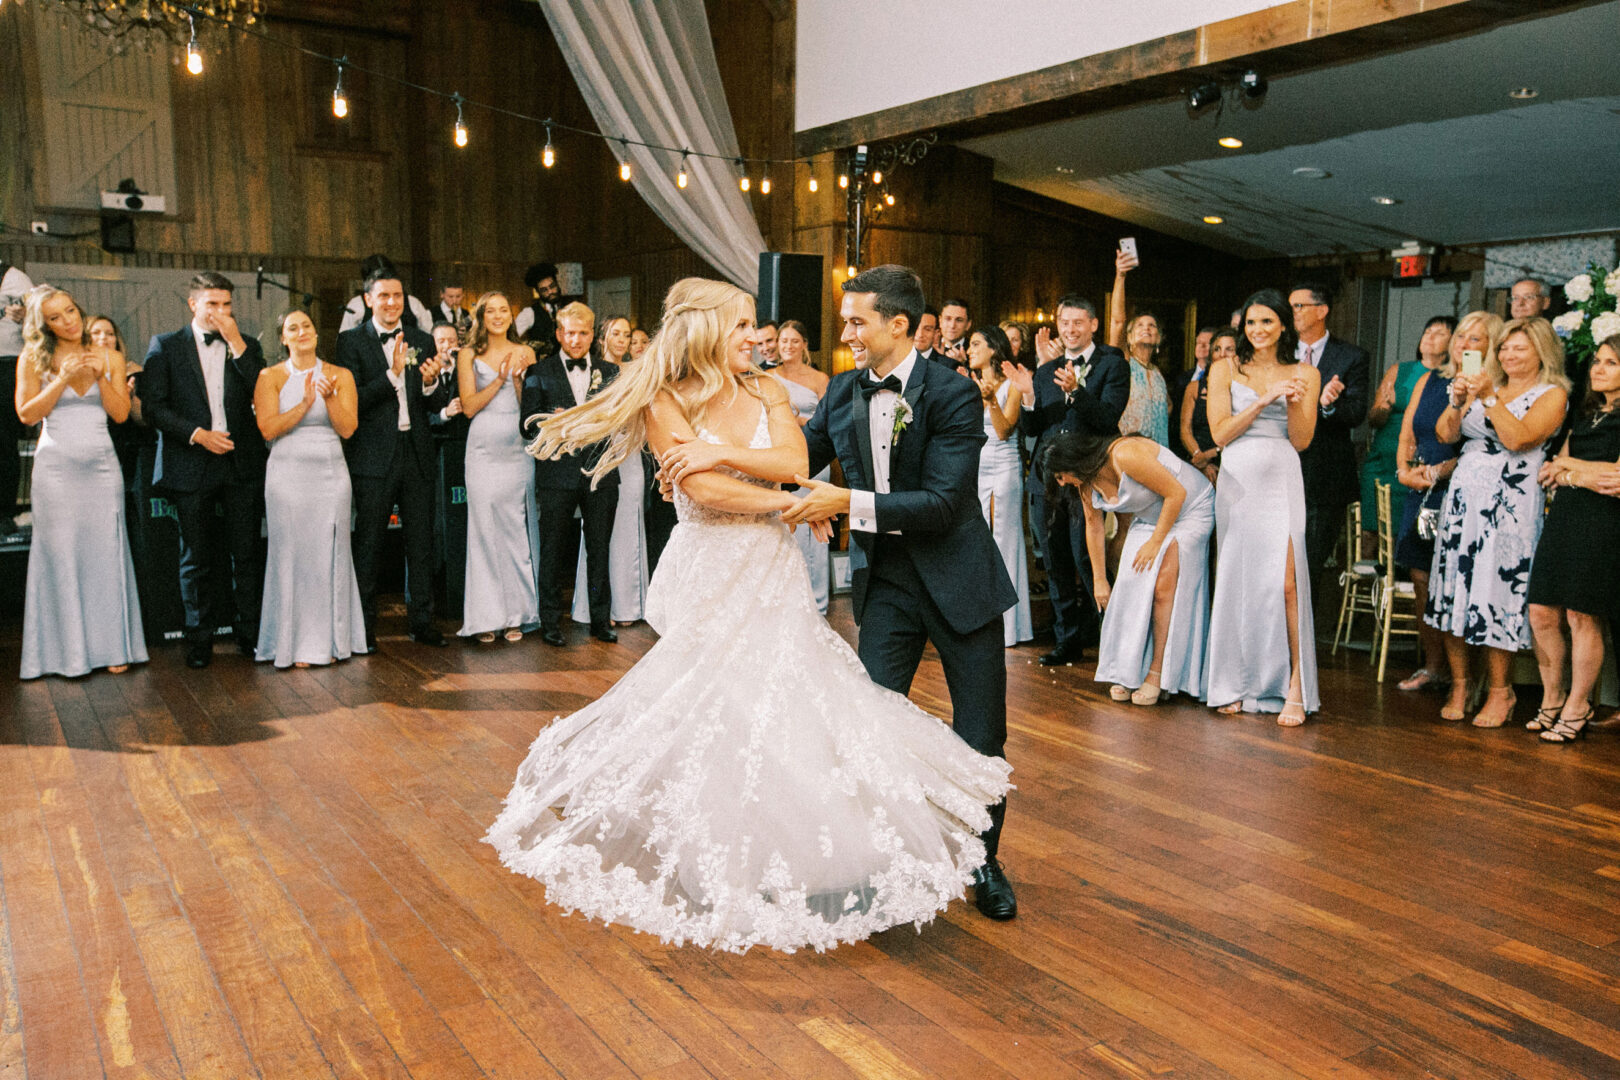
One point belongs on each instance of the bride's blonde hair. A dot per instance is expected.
(699, 316)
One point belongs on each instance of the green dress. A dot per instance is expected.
(1382, 456)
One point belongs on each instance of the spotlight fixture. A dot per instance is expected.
(548, 156)
(340, 100)
(1231, 142)
(461, 124)
(1213, 219)
(1203, 96)
(1524, 93)
(680, 177)
(1253, 87)
(193, 54)
(1385, 200)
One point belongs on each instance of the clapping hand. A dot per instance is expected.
(397, 362)
(1331, 392)
(430, 370)
(325, 385)
(1022, 378)
(453, 409)
(1045, 347)
(310, 389)
(1067, 379)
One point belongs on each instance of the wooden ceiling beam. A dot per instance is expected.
(1282, 40)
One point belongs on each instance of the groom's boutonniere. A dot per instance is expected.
(596, 379)
(902, 417)
(413, 356)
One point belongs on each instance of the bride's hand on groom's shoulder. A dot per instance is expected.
(689, 456)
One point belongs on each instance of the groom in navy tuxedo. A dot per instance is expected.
(907, 434)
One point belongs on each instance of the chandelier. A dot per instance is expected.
(129, 20)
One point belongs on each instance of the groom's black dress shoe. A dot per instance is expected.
(993, 893)
(1064, 654)
(429, 635)
(199, 656)
(604, 632)
(552, 635)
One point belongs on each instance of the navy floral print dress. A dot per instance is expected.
(1489, 526)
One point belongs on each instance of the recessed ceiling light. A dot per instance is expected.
(1065, 170)
(1311, 172)
(1231, 142)
(1524, 93)
(1213, 219)
(1385, 200)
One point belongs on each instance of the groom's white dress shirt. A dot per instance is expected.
(880, 420)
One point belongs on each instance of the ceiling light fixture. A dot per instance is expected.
(1524, 93)
(1311, 172)
(1203, 96)
(1385, 200)
(1253, 86)
(1213, 219)
(1065, 170)
(1231, 142)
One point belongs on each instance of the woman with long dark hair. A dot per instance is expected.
(1262, 412)
(1155, 618)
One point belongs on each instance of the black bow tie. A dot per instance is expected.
(385, 336)
(576, 363)
(212, 336)
(870, 386)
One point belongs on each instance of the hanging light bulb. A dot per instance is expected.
(877, 176)
(680, 177)
(813, 185)
(765, 184)
(843, 180)
(849, 271)
(193, 54)
(888, 199)
(743, 183)
(461, 124)
(340, 100)
(548, 156)
(624, 160)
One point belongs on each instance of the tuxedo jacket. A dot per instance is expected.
(370, 449)
(545, 390)
(933, 497)
(1329, 463)
(174, 400)
(1095, 407)
(541, 335)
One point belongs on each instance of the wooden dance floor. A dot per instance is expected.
(242, 872)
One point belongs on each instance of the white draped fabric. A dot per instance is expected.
(648, 72)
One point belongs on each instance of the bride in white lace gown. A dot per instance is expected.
(745, 783)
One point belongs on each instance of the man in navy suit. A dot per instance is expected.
(907, 434)
(557, 382)
(1329, 463)
(392, 459)
(1080, 385)
(197, 390)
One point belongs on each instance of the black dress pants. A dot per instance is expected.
(410, 484)
(900, 618)
(236, 502)
(11, 430)
(559, 542)
(1068, 574)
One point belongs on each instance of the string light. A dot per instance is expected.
(461, 124)
(813, 185)
(843, 180)
(765, 184)
(743, 183)
(340, 100)
(193, 54)
(877, 177)
(888, 199)
(548, 156)
(680, 177)
(849, 271)
(624, 160)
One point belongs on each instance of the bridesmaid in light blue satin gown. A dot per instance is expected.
(311, 612)
(503, 537)
(805, 386)
(81, 610)
(628, 566)
(1262, 412)
(1156, 616)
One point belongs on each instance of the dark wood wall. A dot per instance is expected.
(267, 174)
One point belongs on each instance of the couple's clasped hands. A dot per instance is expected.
(815, 511)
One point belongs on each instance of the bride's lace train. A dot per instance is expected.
(746, 783)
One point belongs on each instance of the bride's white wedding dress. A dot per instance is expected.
(746, 783)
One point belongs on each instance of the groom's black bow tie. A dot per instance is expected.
(870, 386)
(212, 336)
(576, 363)
(385, 336)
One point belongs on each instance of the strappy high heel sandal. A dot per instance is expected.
(514, 634)
(1142, 695)
(1567, 731)
(1287, 719)
(1544, 718)
(1119, 693)
(487, 637)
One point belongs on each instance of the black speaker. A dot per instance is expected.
(117, 232)
(790, 288)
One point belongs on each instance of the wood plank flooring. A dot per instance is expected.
(250, 873)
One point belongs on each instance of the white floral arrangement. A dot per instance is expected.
(1594, 297)
(902, 417)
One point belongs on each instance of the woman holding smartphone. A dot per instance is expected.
(1424, 467)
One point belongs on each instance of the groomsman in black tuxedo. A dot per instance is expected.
(449, 310)
(1080, 385)
(536, 325)
(197, 390)
(560, 381)
(926, 336)
(1329, 463)
(925, 568)
(954, 326)
(391, 454)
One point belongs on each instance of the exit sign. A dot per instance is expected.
(1411, 266)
